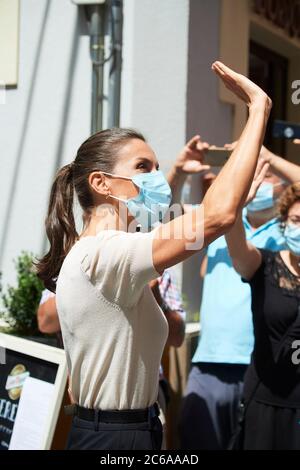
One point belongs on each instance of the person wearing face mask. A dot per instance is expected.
(264, 198)
(272, 382)
(113, 330)
(208, 416)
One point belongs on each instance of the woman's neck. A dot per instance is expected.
(106, 218)
(295, 262)
(292, 261)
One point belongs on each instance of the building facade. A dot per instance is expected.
(168, 92)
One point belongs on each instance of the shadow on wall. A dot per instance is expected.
(206, 114)
(15, 173)
(80, 28)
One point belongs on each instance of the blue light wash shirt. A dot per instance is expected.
(225, 315)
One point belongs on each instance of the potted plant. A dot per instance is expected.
(21, 302)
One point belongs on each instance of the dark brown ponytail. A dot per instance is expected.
(98, 152)
(60, 226)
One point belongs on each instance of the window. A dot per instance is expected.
(9, 42)
(270, 70)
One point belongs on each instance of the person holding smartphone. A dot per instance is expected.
(209, 411)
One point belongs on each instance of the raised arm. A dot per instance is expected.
(283, 168)
(226, 196)
(189, 161)
(280, 166)
(246, 258)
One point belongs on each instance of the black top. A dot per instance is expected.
(276, 318)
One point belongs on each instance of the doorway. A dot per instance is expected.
(270, 71)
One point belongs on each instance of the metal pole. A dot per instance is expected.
(97, 57)
(114, 91)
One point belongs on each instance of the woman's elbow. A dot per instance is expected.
(41, 321)
(175, 340)
(229, 221)
(222, 222)
(47, 321)
(176, 329)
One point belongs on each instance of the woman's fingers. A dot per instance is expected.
(217, 68)
(206, 167)
(262, 170)
(193, 142)
(224, 70)
(242, 87)
(229, 78)
(260, 174)
(227, 74)
(238, 92)
(260, 164)
(231, 146)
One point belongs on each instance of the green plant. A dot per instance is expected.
(21, 302)
(191, 317)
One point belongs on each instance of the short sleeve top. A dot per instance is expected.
(276, 318)
(114, 331)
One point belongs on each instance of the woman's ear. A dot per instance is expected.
(99, 183)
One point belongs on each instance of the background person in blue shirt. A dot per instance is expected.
(215, 384)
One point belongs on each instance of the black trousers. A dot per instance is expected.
(209, 408)
(87, 435)
(270, 427)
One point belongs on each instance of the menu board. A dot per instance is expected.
(32, 381)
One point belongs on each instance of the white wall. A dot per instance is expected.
(154, 76)
(154, 80)
(47, 116)
(206, 114)
(168, 93)
(43, 121)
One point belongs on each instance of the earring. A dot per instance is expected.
(107, 196)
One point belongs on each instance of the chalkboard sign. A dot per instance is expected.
(32, 382)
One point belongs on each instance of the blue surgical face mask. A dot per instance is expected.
(153, 201)
(292, 238)
(264, 198)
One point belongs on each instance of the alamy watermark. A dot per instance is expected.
(296, 93)
(296, 354)
(2, 355)
(188, 227)
(2, 92)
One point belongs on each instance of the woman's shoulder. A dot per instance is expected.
(265, 268)
(270, 260)
(113, 247)
(278, 273)
(108, 234)
(87, 243)
(267, 255)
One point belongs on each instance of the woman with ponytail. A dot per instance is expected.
(113, 330)
(60, 226)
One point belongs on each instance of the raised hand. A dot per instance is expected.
(265, 153)
(242, 87)
(191, 159)
(260, 173)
